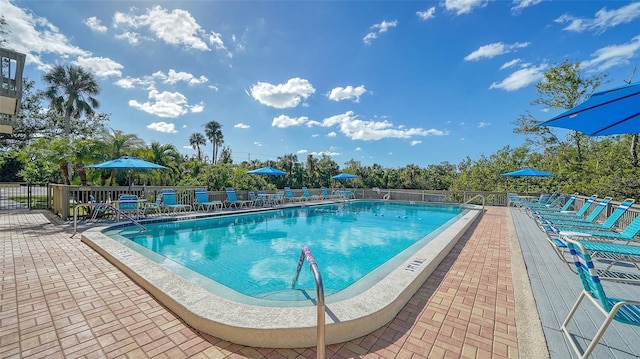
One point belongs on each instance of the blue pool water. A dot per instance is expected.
(256, 254)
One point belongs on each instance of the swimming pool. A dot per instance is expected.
(359, 304)
(255, 254)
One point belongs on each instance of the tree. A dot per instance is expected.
(226, 156)
(117, 144)
(195, 141)
(71, 92)
(213, 131)
(563, 86)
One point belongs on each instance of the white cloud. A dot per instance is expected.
(257, 143)
(95, 24)
(328, 153)
(511, 63)
(613, 55)
(173, 77)
(176, 27)
(356, 129)
(241, 125)
(35, 36)
(358, 149)
(415, 142)
(315, 135)
(603, 20)
(197, 108)
(482, 124)
(332, 134)
(132, 38)
(162, 127)
(347, 93)
(149, 82)
(302, 152)
(493, 50)
(164, 104)
(521, 4)
(521, 78)
(427, 14)
(461, 7)
(284, 121)
(380, 28)
(101, 66)
(287, 95)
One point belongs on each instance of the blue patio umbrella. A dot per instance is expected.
(610, 112)
(343, 176)
(267, 171)
(528, 172)
(127, 163)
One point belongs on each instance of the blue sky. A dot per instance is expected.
(387, 82)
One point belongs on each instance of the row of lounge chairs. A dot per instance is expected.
(167, 202)
(595, 250)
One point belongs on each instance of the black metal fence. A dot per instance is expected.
(22, 195)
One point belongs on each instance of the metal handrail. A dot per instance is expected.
(107, 205)
(474, 197)
(306, 253)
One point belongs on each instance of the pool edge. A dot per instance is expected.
(282, 327)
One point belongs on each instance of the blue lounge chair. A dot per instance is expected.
(569, 214)
(203, 202)
(565, 207)
(232, 199)
(258, 200)
(326, 194)
(290, 197)
(309, 196)
(590, 218)
(606, 225)
(618, 309)
(170, 202)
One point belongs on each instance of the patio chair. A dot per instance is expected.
(608, 252)
(606, 225)
(129, 205)
(155, 207)
(170, 202)
(257, 199)
(618, 309)
(566, 214)
(232, 199)
(99, 210)
(276, 200)
(575, 221)
(309, 196)
(291, 198)
(326, 194)
(202, 201)
(556, 209)
(552, 202)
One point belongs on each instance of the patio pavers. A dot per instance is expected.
(59, 298)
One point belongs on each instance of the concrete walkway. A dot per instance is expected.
(61, 299)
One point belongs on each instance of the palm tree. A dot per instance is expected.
(166, 155)
(71, 90)
(196, 140)
(117, 144)
(213, 131)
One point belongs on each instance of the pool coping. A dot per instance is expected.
(282, 327)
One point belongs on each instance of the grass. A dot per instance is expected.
(37, 202)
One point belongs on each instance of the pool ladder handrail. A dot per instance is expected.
(474, 197)
(107, 205)
(306, 253)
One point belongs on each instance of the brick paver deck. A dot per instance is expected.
(59, 298)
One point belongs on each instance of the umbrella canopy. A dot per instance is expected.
(126, 162)
(343, 175)
(528, 172)
(611, 112)
(267, 171)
